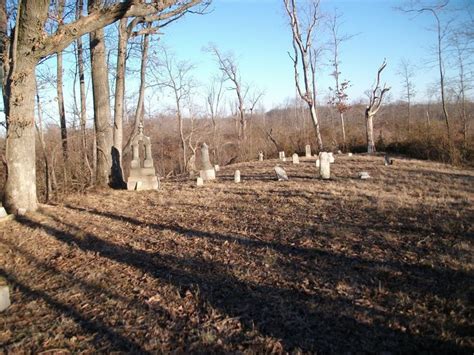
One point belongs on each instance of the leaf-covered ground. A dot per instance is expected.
(306, 265)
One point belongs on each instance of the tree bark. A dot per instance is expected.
(102, 115)
(370, 132)
(59, 91)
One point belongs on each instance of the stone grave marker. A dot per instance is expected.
(260, 156)
(308, 151)
(281, 174)
(207, 172)
(331, 157)
(142, 178)
(237, 176)
(364, 175)
(296, 159)
(325, 166)
(4, 295)
(217, 168)
(199, 181)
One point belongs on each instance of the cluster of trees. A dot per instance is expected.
(77, 156)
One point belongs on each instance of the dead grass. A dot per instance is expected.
(262, 266)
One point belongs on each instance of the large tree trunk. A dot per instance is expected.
(314, 118)
(117, 171)
(59, 91)
(102, 115)
(370, 133)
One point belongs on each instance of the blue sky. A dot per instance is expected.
(257, 32)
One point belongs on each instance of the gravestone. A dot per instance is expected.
(296, 159)
(364, 175)
(308, 151)
(282, 156)
(281, 174)
(325, 166)
(207, 172)
(142, 178)
(339, 152)
(4, 295)
(217, 168)
(318, 163)
(349, 154)
(387, 161)
(199, 182)
(260, 156)
(3, 213)
(331, 157)
(237, 176)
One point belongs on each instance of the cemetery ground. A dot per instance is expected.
(384, 264)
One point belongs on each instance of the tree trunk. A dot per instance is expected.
(119, 101)
(102, 115)
(341, 115)
(370, 132)
(59, 91)
(315, 120)
(39, 128)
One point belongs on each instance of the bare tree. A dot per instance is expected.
(441, 34)
(302, 45)
(375, 102)
(406, 71)
(228, 66)
(213, 100)
(177, 77)
(339, 96)
(25, 48)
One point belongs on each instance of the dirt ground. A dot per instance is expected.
(384, 264)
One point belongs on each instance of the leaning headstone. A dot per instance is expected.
(217, 168)
(308, 151)
(280, 173)
(199, 182)
(331, 157)
(237, 176)
(364, 175)
(296, 159)
(318, 163)
(325, 166)
(142, 177)
(207, 172)
(260, 156)
(4, 295)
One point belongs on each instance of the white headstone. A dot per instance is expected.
(282, 156)
(339, 152)
(237, 176)
(260, 156)
(331, 157)
(349, 154)
(207, 172)
(3, 213)
(318, 163)
(296, 159)
(364, 175)
(199, 181)
(308, 151)
(325, 166)
(4, 297)
(280, 173)
(217, 167)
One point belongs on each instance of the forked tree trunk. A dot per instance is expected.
(102, 115)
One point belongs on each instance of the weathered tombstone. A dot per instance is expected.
(318, 163)
(142, 178)
(217, 168)
(331, 157)
(280, 173)
(237, 176)
(4, 295)
(308, 151)
(296, 159)
(387, 161)
(282, 156)
(207, 172)
(325, 166)
(364, 175)
(260, 156)
(349, 154)
(199, 182)
(339, 152)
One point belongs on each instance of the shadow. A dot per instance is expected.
(93, 327)
(116, 177)
(301, 320)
